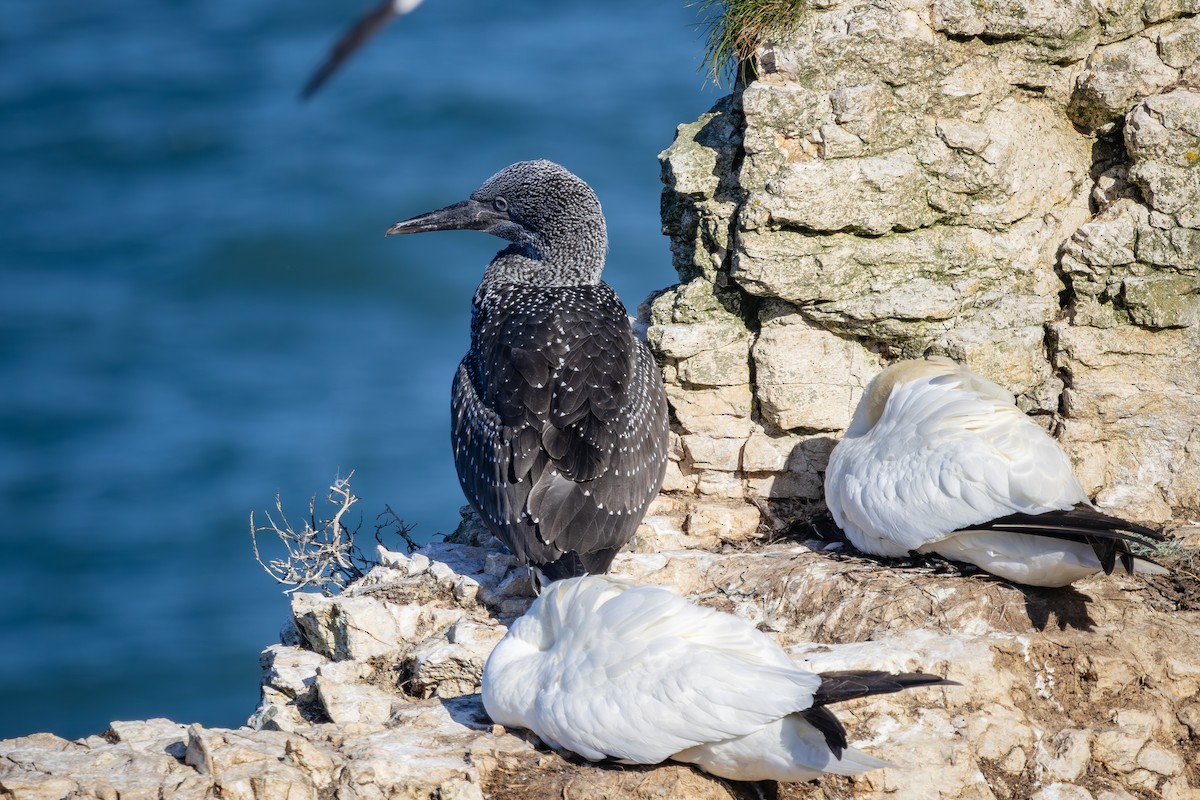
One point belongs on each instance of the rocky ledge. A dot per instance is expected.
(1091, 692)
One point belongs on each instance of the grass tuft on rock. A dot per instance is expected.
(736, 28)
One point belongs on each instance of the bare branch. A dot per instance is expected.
(323, 553)
(391, 520)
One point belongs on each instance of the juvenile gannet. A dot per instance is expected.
(559, 413)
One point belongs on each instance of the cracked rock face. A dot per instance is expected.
(1014, 185)
(1091, 692)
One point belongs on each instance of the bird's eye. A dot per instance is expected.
(500, 204)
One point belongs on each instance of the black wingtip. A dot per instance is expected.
(570, 565)
(849, 684)
(830, 727)
(350, 41)
(315, 82)
(1074, 522)
(1110, 537)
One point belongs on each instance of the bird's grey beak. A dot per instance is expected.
(468, 215)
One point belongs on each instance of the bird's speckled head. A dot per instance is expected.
(552, 218)
(552, 215)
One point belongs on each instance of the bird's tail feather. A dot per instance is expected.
(1110, 537)
(573, 565)
(1147, 567)
(848, 684)
(852, 761)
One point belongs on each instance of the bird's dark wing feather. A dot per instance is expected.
(358, 33)
(849, 684)
(571, 411)
(830, 727)
(486, 455)
(1110, 537)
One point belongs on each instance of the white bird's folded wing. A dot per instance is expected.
(943, 456)
(646, 674)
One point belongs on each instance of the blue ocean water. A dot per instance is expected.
(198, 308)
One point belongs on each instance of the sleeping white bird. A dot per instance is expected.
(940, 460)
(609, 669)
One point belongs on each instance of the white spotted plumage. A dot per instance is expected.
(559, 413)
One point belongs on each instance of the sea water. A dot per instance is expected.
(198, 308)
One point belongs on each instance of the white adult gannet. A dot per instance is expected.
(609, 669)
(355, 36)
(940, 460)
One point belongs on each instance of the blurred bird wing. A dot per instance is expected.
(947, 453)
(646, 674)
(363, 29)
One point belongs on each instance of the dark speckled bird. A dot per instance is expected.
(560, 420)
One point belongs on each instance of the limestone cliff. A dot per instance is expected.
(1015, 185)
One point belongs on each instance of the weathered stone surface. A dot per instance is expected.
(1065, 757)
(1162, 135)
(346, 698)
(722, 411)
(723, 366)
(918, 178)
(796, 386)
(870, 195)
(451, 666)
(1115, 77)
(291, 670)
(361, 627)
(1135, 273)
(729, 522)
(1130, 416)
(1090, 690)
(1027, 19)
(684, 341)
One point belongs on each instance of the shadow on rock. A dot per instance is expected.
(1064, 608)
(467, 710)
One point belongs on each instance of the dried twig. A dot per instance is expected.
(322, 554)
(388, 520)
